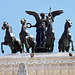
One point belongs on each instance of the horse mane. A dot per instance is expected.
(10, 29)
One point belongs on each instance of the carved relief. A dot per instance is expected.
(22, 69)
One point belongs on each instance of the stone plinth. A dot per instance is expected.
(40, 64)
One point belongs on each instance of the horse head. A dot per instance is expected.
(68, 24)
(5, 25)
(51, 17)
(23, 21)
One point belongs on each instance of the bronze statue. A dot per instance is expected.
(50, 37)
(26, 38)
(40, 31)
(10, 40)
(44, 31)
(65, 40)
(45, 35)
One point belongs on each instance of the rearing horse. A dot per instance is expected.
(50, 37)
(26, 38)
(65, 40)
(10, 40)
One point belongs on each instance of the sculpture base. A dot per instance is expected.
(39, 64)
(40, 50)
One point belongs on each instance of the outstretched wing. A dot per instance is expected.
(57, 12)
(34, 14)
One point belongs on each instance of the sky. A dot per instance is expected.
(12, 11)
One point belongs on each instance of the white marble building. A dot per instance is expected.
(40, 64)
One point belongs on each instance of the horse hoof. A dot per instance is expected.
(70, 54)
(72, 49)
(32, 55)
(2, 51)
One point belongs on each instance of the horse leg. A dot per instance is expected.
(13, 51)
(72, 45)
(22, 47)
(67, 50)
(3, 43)
(48, 49)
(63, 49)
(21, 51)
(27, 50)
(52, 48)
(27, 44)
(33, 49)
(59, 48)
(27, 47)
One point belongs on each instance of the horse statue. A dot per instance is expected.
(50, 35)
(65, 40)
(26, 38)
(10, 40)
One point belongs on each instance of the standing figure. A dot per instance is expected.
(50, 37)
(10, 40)
(65, 40)
(26, 38)
(40, 31)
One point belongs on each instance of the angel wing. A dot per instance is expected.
(57, 12)
(34, 14)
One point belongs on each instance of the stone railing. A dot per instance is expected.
(40, 64)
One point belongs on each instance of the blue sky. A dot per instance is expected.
(13, 11)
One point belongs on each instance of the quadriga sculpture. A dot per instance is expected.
(26, 38)
(50, 37)
(65, 40)
(10, 40)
